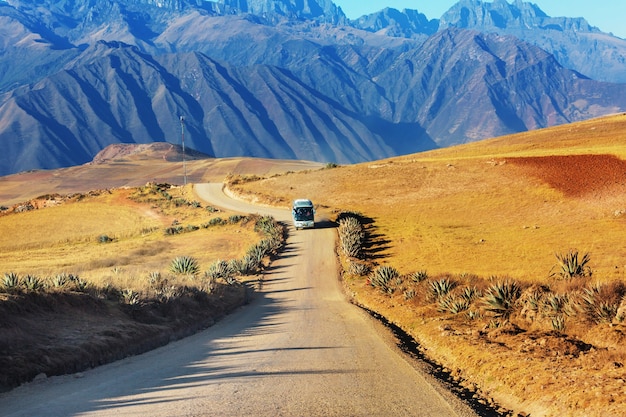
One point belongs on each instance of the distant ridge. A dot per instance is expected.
(149, 151)
(288, 79)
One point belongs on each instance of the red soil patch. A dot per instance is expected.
(578, 175)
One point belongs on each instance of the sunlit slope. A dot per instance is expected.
(136, 168)
(501, 207)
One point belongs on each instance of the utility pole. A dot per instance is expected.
(182, 139)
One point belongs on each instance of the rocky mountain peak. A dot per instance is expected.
(500, 14)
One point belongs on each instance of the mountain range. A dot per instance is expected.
(289, 79)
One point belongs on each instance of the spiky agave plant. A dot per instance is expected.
(352, 236)
(419, 276)
(219, 269)
(440, 288)
(451, 304)
(601, 302)
(500, 298)
(32, 283)
(571, 265)
(11, 281)
(383, 276)
(185, 265)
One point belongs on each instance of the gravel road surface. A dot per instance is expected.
(298, 349)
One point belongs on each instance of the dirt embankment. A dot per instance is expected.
(45, 334)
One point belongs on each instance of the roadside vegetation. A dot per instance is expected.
(117, 272)
(502, 259)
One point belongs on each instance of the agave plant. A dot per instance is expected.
(130, 297)
(32, 283)
(419, 276)
(441, 288)
(555, 304)
(11, 281)
(383, 276)
(451, 304)
(599, 305)
(60, 280)
(358, 268)
(571, 266)
(219, 269)
(248, 265)
(558, 323)
(185, 265)
(255, 255)
(154, 279)
(501, 297)
(351, 236)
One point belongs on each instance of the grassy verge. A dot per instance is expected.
(535, 349)
(125, 271)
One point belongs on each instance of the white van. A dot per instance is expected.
(303, 214)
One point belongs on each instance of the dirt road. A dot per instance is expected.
(298, 349)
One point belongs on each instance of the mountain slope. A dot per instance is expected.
(122, 95)
(573, 41)
(271, 78)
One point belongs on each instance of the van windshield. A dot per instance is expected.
(303, 213)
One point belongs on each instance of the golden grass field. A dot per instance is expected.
(64, 238)
(483, 213)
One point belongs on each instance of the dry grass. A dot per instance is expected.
(501, 208)
(65, 238)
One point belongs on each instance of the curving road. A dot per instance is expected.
(299, 349)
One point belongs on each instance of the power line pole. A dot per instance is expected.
(182, 139)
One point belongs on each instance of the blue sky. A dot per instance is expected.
(608, 15)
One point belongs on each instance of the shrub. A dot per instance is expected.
(501, 297)
(570, 266)
(185, 265)
(104, 239)
(215, 221)
(235, 218)
(174, 230)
